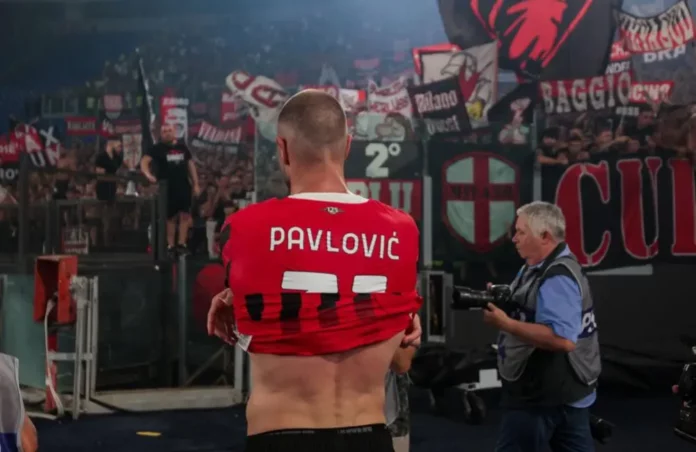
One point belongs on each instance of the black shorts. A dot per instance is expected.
(179, 201)
(366, 438)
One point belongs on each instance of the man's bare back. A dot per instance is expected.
(330, 391)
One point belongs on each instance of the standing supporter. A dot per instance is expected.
(173, 164)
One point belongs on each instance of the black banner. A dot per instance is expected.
(626, 210)
(387, 171)
(553, 40)
(476, 192)
(442, 107)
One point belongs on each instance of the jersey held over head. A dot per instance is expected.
(321, 273)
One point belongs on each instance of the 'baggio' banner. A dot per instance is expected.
(387, 171)
(476, 192)
(626, 211)
(665, 31)
(442, 107)
(596, 93)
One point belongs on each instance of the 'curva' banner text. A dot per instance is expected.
(626, 210)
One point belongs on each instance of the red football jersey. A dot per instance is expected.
(321, 273)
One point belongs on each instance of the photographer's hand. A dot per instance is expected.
(495, 316)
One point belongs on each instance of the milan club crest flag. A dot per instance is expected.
(442, 108)
(476, 192)
(546, 39)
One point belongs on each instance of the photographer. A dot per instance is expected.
(548, 349)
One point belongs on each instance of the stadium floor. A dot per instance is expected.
(642, 424)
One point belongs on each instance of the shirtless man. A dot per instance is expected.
(323, 286)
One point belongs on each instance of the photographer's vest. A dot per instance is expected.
(535, 377)
(11, 406)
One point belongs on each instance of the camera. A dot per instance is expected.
(686, 424)
(465, 298)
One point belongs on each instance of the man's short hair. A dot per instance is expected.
(314, 119)
(544, 217)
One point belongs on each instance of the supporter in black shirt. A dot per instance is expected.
(643, 130)
(109, 161)
(548, 150)
(172, 163)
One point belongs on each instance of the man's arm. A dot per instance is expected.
(145, 168)
(30, 441)
(193, 173)
(401, 363)
(558, 316)
(538, 335)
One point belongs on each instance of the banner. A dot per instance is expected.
(232, 107)
(476, 70)
(81, 126)
(9, 153)
(174, 111)
(581, 95)
(442, 108)
(214, 138)
(42, 144)
(547, 40)
(476, 192)
(514, 114)
(666, 31)
(263, 96)
(626, 210)
(389, 172)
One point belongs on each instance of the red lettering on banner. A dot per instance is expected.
(632, 209)
(683, 208)
(268, 96)
(404, 195)
(569, 199)
(242, 80)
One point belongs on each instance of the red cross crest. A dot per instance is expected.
(480, 194)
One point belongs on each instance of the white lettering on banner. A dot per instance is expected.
(310, 239)
(429, 102)
(445, 125)
(210, 133)
(380, 153)
(627, 110)
(175, 102)
(652, 57)
(651, 92)
(399, 195)
(668, 30)
(8, 174)
(618, 66)
(596, 93)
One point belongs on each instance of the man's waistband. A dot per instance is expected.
(339, 431)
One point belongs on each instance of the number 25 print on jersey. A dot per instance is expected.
(547, 39)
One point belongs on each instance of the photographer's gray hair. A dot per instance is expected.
(544, 217)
